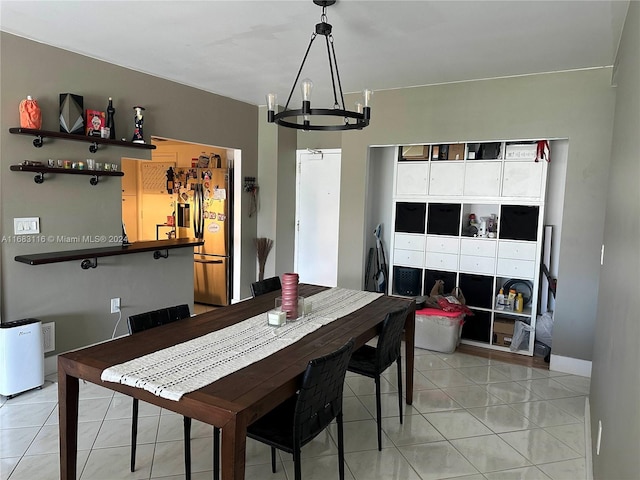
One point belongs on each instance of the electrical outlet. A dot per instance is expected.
(26, 226)
(115, 305)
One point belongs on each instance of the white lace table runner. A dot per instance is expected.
(183, 368)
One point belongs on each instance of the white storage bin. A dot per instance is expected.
(438, 330)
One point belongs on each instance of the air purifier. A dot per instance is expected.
(21, 356)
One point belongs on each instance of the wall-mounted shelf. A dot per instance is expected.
(40, 171)
(89, 257)
(94, 141)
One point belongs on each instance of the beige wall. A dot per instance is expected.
(78, 300)
(277, 180)
(615, 381)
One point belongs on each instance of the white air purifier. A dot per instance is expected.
(21, 356)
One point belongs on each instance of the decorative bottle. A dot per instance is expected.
(500, 300)
(110, 121)
(519, 302)
(511, 299)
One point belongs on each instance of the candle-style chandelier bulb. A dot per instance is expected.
(307, 87)
(366, 95)
(272, 98)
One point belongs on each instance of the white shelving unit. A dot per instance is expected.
(434, 194)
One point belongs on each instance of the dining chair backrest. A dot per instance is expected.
(319, 399)
(145, 321)
(265, 286)
(390, 339)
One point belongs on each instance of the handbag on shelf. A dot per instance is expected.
(453, 302)
(457, 293)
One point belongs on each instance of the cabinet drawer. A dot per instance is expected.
(517, 250)
(410, 258)
(475, 246)
(442, 261)
(508, 267)
(440, 244)
(476, 264)
(411, 178)
(404, 241)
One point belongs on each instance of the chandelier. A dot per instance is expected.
(352, 120)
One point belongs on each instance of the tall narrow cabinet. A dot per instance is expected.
(471, 214)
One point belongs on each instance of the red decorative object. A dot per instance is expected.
(290, 295)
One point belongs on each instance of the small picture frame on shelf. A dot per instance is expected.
(96, 121)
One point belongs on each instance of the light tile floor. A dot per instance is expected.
(472, 418)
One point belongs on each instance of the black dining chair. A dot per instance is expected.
(299, 419)
(265, 286)
(145, 321)
(372, 361)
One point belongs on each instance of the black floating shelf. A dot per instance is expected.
(89, 256)
(94, 141)
(40, 171)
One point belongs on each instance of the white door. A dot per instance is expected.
(317, 216)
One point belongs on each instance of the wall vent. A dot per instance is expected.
(49, 337)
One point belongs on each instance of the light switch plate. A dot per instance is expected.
(26, 225)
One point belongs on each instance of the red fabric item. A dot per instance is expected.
(453, 307)
(437, 312)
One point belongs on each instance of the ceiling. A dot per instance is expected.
(244, 49)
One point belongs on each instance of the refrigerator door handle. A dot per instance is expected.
(207, 261)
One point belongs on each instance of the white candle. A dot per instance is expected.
(277, 317)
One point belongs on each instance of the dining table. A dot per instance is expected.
(236, 400)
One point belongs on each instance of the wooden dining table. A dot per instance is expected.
(236, 400)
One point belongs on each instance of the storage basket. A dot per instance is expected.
(438, 330)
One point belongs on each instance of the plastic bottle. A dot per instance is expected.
(511, 299)
(500, 300)
(519, 302)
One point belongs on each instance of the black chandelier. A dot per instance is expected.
(352, 119)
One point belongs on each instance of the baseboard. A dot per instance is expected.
(588, 455)
(574, 366)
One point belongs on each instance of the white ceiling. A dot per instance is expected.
(243, 49)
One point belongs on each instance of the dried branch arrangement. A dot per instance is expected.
(263, 247)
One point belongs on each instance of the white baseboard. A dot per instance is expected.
(574, 366)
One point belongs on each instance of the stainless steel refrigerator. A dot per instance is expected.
(205, 211)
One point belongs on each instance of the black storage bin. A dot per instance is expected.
(406, 281)
(430, 277)
(444, 219)
(477, 326)
(477, 290)
(410, 217)
(518, 222)
(489, 151)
